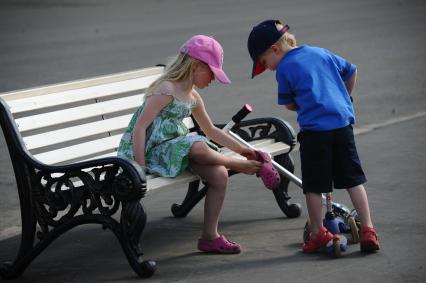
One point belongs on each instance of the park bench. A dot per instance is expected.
(62, 141)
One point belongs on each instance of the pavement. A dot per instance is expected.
(53, 41)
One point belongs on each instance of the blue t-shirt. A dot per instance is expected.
(313, 78)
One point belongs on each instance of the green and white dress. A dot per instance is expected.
(167, 144)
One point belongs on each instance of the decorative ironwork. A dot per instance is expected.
(59, 197)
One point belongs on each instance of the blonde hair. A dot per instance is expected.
(180, 69)
(287, 39)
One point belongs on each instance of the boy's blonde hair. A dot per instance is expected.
(179, 69)
(287, 40)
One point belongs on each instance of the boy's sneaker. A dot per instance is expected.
(369, 242)
(319, 241)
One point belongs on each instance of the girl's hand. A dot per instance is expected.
(248, 153)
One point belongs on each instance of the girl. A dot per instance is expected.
(157, 138)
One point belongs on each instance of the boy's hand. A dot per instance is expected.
(291, 106)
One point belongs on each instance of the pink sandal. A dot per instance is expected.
(269, 175)
(220, 245)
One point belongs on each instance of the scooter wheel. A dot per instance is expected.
(306, 232)
(354, 230)
(336, 248)
(355, 216)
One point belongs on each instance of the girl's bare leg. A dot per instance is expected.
(202, 154)
(217, 177)
(360, 201)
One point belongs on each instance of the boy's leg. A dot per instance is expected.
(314, 205)
(360, 201)
(369, 241)
(348, 173)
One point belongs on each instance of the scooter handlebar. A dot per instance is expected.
(240, 115)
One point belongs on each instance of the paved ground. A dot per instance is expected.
(55, 41)
(271, 241)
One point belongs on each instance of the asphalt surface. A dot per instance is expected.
(43, 42)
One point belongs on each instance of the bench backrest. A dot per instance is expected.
(79, 120)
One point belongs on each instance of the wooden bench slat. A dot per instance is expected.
(77, 95)
(268, 145)
(82, 131)
(276, 148)
(164, 182)
(76, 132)
(256, 143)
(78, 113)
(79, 151)
(186, 177)
(43, 90)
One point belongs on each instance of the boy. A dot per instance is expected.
(317, 84)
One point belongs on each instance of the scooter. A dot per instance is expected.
(338, 218)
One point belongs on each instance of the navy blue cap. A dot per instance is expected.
(260, 39)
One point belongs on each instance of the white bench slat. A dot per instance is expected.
(79, 151)
(77, 95)
(267, 145)
(186, 177)
(164, 182)
(155, 182)
(78, 113)
(76, 132)
(82, 131)
(54, 88)
(256, 144)
(224, 151)
(275, 148)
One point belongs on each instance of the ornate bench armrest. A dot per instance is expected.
(112, 168)
(267, 127)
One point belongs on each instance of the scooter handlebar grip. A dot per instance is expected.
(242, 113)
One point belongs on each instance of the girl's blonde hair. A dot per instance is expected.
(288, 39)
(180, 69)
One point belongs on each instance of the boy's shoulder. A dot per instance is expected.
(310, 49)
(305, 54)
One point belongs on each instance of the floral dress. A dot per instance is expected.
(167, 143)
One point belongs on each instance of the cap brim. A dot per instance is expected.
(220, 75)
(258, 68)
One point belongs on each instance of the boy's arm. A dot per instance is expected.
(350, 83)
(291, 106)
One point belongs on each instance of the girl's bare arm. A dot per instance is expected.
(212, 132)
(153, 105)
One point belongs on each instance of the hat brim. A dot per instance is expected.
(220, 75)
(258, 68)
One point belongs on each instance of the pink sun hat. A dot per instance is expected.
(208, 50)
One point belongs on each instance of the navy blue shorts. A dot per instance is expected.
(329, 159)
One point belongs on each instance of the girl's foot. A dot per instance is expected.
(249, 167)
(369, 242)
(219, 245)
(269, 175)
